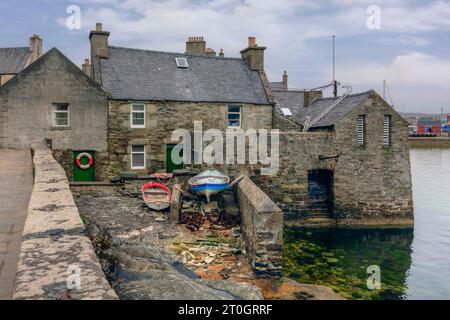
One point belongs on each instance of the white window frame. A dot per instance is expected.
(361, 130)
(55, 112)
(387, 124)
(132, 153)
(233, 112)
(138, 126)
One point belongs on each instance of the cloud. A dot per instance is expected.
(289, 28)
(412, 69)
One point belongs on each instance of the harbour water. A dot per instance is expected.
(414, 262)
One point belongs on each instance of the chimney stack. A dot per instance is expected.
(99, 42)
(87, 67)
(221, 54)
(35, 47)
(310, 96)
(210, 52)
(196, 46)
(285, 80)
(254, 55)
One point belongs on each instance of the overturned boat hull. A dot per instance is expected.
(209, 183)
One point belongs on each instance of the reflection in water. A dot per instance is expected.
(415, 264)
(429, 277)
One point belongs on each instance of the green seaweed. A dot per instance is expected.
(339, 258)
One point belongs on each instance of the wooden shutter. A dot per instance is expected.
(387, 130)
(361, 130)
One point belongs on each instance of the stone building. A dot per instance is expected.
(14, 60)
(344, 158)
(53, 100)
(152, 94)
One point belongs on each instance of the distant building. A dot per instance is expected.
(14, 60)
(428, 125)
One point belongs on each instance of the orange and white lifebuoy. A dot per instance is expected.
(85, 166)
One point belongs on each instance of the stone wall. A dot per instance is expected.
(374, 181)
(372, 184)
(285, 124)
(54, 246)
(437, 142)
(299, 153)
(262, 229)
(162, 118)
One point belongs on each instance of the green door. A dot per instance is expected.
(170, 165)
(83, 174)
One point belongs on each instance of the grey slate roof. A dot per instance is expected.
(13, 60)
(133, 74)
(277, 86)
(339, 112)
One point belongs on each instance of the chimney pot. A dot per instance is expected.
(98, 27)
(221, 54)
(251, 42)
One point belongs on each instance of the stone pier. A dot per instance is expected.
(57, 261)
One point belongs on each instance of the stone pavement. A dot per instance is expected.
(16, 184)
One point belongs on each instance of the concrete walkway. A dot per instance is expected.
(16, 184)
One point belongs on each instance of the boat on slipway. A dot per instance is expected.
(156, 196)
(209, 183)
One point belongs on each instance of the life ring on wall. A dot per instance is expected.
(85, 166)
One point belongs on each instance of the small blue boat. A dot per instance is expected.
(209, 183)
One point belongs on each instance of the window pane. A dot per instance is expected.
(182, 62)
(234, 109)
(138, 160)
(138, 107)
(138, 119)
(233, 123)
(234, 116)
(61, 118)
(62, 107)
(138, 149)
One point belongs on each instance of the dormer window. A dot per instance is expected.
(182, 63)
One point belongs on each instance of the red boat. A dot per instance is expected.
(156, 196)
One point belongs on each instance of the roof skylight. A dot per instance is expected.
(286, 112)
(182, 63)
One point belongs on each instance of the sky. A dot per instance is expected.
(405, 42)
